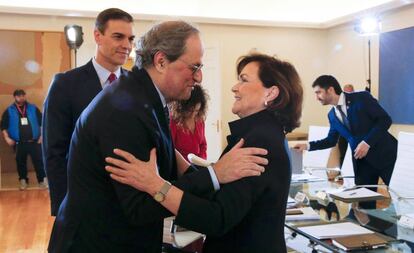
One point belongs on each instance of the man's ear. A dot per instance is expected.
(97, 35)
(160, 61)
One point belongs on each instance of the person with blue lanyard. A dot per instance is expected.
(20, 125)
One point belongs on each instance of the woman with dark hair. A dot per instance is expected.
(247, 215)
(187, 124)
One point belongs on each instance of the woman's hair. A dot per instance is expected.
(287, 107)
(181, 110)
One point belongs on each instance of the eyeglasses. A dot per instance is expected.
(193, 67)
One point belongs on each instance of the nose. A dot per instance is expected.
(198, 76)
(235, 87)
(126, 43)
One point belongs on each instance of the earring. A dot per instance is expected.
(265, 103)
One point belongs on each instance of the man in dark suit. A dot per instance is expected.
(100, 215)
(72, 91)
(364, 124)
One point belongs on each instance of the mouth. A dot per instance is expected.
(237, 98)
(126, 54)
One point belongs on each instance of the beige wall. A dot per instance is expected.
(338, 51)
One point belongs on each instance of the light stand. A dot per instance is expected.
(368, 88)
(74, 38)
(367, 27)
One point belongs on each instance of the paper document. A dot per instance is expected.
(359, 194)
(335, 230)
(300, 178)
(305, 213)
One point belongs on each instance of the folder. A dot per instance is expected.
(361, 242)
(356, 195)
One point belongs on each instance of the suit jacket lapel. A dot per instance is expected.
(92, 76)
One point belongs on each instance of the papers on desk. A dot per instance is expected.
(332, 230)
(355, 195)
(304, 178)
(407, 220)
(305, 213)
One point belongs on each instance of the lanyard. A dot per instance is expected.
(23, 113)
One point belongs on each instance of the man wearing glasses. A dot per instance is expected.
(100, 215)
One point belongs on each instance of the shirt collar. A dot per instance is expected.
(103, 73)
(341, 100)
(164, 102)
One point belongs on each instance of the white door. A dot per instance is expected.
(212, 83)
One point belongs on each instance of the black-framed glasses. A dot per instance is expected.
(193, 67)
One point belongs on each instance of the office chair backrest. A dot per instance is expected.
(318, 158)
(347, 169)
(402, 180)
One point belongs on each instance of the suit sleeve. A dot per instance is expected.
(57, 131)
(382, 121)
(328, 142)
(139, 207)
(233, 201)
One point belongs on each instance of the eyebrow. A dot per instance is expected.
(122, 35)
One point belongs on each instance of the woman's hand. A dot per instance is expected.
(134, 172)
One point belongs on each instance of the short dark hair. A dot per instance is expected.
(19, 92)
(327, 81)
(168, 37)
(287, 107)
(180, 110)
(111, 14)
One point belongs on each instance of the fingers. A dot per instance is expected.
(119, 179)
(153, 156)
(238, 144)
(118, 163)
(257, 160)
(128, 156)
(116, 171)
(254, 151)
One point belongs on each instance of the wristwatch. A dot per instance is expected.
(160, 195)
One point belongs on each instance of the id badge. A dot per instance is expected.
(24, 121)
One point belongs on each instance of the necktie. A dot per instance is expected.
(167, 114)
(112, 77)
(345, 120)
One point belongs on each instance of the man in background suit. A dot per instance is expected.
(364, 124)
(99, 214)
(72, 91)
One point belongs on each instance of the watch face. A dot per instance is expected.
(159, 197)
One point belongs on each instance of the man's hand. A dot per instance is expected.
(361, 150)
(10, 141)
(141, 175)
(39, 141)
(240, 162)
(300, 147)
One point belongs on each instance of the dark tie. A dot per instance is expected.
(167, 114)
(112, 77)
(345, 120)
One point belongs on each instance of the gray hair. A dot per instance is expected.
(168, 37)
